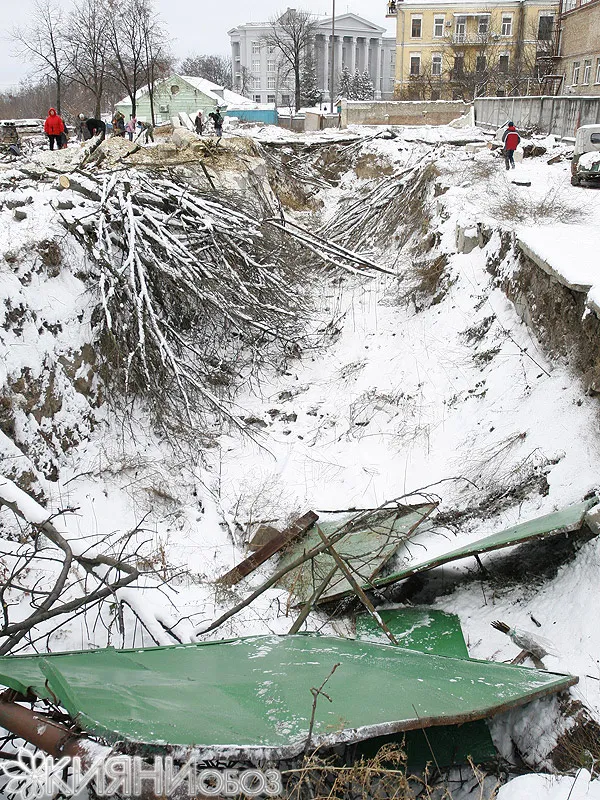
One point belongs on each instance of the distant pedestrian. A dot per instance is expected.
(147, 132)
(53, 128)
(511, 141)
(95, 126)
(131, 127)
(199, 123)
(217, 120)
(82, 131)
(118, 123)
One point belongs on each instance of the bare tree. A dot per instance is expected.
(42, 43)
(292, 34)
(217, 69)
(89, 51)
(132, 25)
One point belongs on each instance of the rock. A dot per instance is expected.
(18, 203)
(556, 159)
(263, 536)
(533, 150)
(65, 205)
(475, 147)
(467, 239)
(19, 215)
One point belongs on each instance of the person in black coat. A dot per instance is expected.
(95, 126)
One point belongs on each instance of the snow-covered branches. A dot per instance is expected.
(48, 576)
(191, 287)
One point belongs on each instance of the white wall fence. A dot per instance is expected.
(560, 115)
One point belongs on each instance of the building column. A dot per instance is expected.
(352, 59)
(376, 74)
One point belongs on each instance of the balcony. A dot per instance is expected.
(392, 10)
(473, 38)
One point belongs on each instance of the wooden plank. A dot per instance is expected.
(276, 544)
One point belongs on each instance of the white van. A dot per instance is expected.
(585, 165)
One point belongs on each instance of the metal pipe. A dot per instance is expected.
(54, 739)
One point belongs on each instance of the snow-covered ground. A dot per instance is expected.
(383, 400)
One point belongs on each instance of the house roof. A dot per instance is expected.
(212, 90)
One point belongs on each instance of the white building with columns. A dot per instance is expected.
(359, 45)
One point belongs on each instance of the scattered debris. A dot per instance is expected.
(567, 520)
(366, 548)
(269, 549)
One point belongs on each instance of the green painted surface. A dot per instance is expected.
(367, 549)
(424, 629)
(255, 693)
(445, 746)
(429, 631)
(564, 521)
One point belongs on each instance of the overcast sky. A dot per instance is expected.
(195, 26)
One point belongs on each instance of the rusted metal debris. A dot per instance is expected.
(277, 543)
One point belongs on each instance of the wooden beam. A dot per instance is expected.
(291, 533)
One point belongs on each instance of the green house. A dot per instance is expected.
(182, 93)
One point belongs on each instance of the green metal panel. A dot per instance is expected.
(445, 746)
(564, 521)
(429, 631)
(243, 696)
(424, 629)
(367, 549)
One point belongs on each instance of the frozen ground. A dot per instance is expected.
(386, 400)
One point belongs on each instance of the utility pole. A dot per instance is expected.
(332, 84)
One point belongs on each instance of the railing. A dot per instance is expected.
(473, 38)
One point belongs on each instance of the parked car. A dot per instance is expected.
(585, 165)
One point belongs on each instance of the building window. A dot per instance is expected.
(256, 66)
(415, 64)
(270, 98)
(461, 29)
(435, 94)
(545, 26)
(576, 70)
(271, 83)
(415, 27)
(459, 66)
(597, 71)
(256, 98)
(506, 25)
(271, 65)
(271, 49)
(436, 64)
(438, 26)
(483, 26)
(285, 99)
(255, 48)
(587, 71)
(503, 64)
(480, 64)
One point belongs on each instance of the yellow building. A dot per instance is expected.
(459, 50)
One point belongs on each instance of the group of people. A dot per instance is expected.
(87, 127)
(217, 121)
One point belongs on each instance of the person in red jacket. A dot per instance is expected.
(54, 127)
(511, 141)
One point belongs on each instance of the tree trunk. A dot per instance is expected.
(58, 93)
(297, 85)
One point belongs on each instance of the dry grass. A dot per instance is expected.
(385, 776)
(522, 207)
(426, 282)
